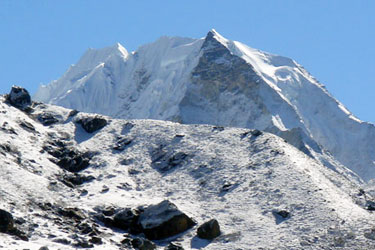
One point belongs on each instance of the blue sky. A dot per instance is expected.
(333, 39)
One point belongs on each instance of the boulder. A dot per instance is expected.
(92, 124)
(163, 220)
(125, 219)
(209, 230)
(138, 243)
(19, 97)
(6, 221)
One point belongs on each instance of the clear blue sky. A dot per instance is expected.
(333, 39)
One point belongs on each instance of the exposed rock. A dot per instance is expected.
(6, 221)
(76, 179)
(164, 160)
(209, 230)
(125, 218)
(281, 215)
(96, 240)
(174, 246)
(122, 143)
(48, 118)
(138, 243)
(44, 248)
(19, 97)
(92, 124)
(27, 126)
(164, 220)
(68, 157)
(72, 213)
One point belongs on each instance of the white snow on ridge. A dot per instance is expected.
(231, 175)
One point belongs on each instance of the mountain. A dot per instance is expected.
(217, 81)
(74, 180)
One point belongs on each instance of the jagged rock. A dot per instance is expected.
(19, 97)
(72, 213)
(68, 158)
(76, 179)
(174, 246)
(27, 126)
(44, 248)
(164, 160)
(92, 124)
(164, 220)
(48, 118)
(209, 230)
(6, 221)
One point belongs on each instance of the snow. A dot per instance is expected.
(156, 82)
(263, 172)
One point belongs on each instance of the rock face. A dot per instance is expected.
(92, 124)
(164, 220)
(19, 97)
(6, 221)
(209, 230)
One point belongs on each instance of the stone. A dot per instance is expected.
(163, 220)
(92, 124)
(6, 221)
(174, 246)
(19, 97)
(138, 243)
(209, 230)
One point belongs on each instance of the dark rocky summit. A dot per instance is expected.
(19, 97)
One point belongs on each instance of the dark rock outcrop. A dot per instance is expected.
(92, 124)
(49, 118)
(6, 221)
(209, 230)
(164, 220)
(67, 157)
(174, 246)
(19, 98)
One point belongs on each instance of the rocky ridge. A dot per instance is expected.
(157, 185)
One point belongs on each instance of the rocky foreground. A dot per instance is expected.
(76, 180)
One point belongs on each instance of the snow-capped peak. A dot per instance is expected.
(214, 80)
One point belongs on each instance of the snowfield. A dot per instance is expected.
(264, 192)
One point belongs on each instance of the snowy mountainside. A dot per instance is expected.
(217, 81)
(265, 193)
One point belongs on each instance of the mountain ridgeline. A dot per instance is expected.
(217, 81)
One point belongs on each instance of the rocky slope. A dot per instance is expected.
(76, 180)
(221, 82)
